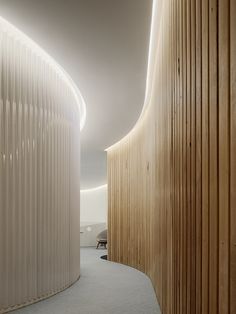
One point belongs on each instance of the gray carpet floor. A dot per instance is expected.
(103, 288)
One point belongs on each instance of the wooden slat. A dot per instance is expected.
(190, 252)
(224, 151)
(232, 122)
(213, 158)
(205, 157)
(198, 199)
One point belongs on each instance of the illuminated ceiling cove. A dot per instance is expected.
(12, 31)
(103, 45)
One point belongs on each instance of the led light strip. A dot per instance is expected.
(155, 20)
(8, 28)
(94, 189)
(152, 58)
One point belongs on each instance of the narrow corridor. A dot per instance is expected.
(104, 288)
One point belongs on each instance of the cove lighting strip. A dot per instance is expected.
(152, 59)
(15, 33)
(94, 189)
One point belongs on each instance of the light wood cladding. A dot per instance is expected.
(172, 180)
(39, 177)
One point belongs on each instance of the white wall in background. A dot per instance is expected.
(89, 232)
(93, 205)
(93, 214)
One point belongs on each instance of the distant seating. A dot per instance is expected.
(102, 239)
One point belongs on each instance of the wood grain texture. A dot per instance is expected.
(232, 123)
(171, 180)
(39, 177)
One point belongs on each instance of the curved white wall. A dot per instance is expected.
(39, 174)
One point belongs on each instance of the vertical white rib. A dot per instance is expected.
(39, 173)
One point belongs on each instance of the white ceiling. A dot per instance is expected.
(103, 45)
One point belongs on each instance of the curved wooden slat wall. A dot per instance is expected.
(39, 177)
(172, 180)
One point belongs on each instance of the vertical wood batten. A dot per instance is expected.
(232, 122)
(205, 157)
(224, 151)
(192, 110)
(213, 157)
(198, 157)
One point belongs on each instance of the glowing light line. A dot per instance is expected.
(151, 64)
(35, 48)
(94, 189)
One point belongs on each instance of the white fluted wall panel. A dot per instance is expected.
(39, 175)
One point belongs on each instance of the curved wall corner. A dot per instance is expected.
(172, 180)
(39, 174)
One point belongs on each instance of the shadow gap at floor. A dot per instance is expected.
(103, 288)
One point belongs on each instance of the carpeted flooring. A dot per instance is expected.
(103, 288)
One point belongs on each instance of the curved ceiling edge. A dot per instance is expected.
(94, 189)
(152, 58)
(28, 42)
